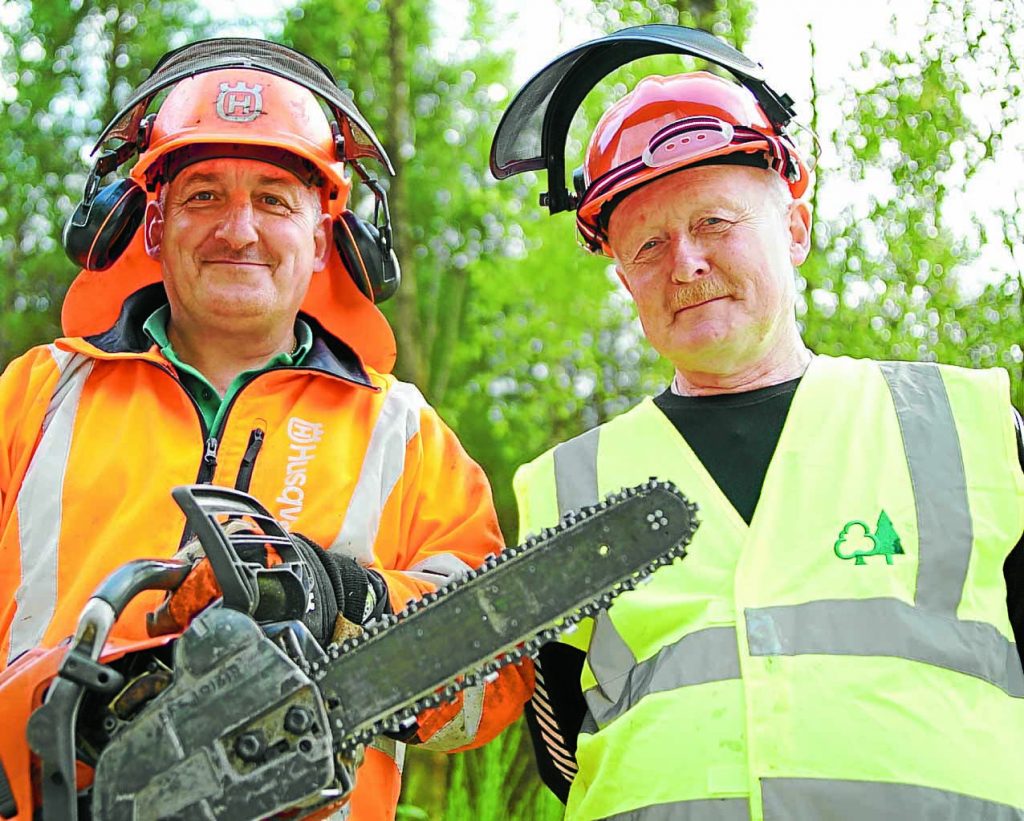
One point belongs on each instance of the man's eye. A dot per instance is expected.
(202, 196)
(274, 201)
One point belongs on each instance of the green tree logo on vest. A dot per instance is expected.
(883, 542)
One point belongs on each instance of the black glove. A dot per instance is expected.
(344, 594)
(341, 587)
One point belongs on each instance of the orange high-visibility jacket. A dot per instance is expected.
(95, 432)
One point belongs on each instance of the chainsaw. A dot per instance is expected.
(244, 715)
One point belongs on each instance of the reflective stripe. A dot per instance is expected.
(928, 632)
(462, 728)
(697, 658)
(395, 750)
(383, 465)
(439, 569)
(945, 532)
(74, 369)
(886, 627)
(814, 798)
(576, 472)
(39, 506)
(704, 809)
(609, 656)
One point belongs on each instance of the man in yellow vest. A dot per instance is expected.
(839, 642)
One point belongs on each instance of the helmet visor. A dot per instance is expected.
(520, 142)
(261, 55)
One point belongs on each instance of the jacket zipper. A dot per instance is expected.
(209, 464)
(248, 463)
(257, 435)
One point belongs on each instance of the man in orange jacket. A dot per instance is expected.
(224, 330)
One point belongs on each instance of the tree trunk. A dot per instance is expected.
(412, 362)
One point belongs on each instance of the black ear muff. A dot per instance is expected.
(102, 226)
(370, 261)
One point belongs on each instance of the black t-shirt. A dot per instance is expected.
(734, 436)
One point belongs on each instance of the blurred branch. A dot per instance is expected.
(451, 315)
(814, 123)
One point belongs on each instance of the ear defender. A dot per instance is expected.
(102, 226)
(367, 256)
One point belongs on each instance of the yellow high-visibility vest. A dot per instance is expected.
(846, 656)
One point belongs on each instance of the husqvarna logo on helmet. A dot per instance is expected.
(239, 103)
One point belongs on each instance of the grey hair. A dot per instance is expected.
(780, 191)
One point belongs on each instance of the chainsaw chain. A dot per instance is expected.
(403, 718)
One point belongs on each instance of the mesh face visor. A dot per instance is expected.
(532, 132)
(241, 52)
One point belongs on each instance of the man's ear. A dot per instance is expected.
(799, 232)
(323, 236)
(153, 230)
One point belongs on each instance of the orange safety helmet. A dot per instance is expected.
(669, 123)
(240, 112)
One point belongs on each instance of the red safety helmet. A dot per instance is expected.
(669, 123)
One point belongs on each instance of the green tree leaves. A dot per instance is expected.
(890, 277)
(65, 66)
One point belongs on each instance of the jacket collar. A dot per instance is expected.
(126, 335)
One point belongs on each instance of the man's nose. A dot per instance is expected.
(689, 259)
(237, 226)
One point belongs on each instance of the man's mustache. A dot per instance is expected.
(697, 292)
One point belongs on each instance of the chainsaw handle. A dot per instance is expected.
(203, 506)
(125, 583)
(114, 594)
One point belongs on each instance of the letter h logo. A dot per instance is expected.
(239, 103)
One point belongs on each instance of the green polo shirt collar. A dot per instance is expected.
(211, 404)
